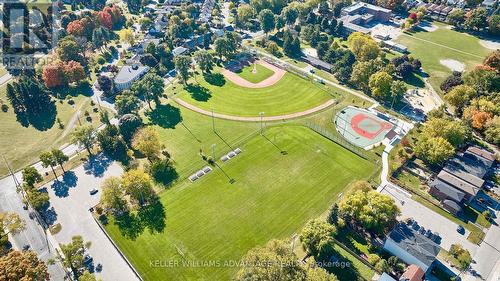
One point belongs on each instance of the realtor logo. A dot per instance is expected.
(30, 29)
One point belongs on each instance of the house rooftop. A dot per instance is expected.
(466, 169)
(412, 273)
(452, 205)
(458, 183)
(129, 72)
(361, 5)
(318, 62)
(481, 152)
(414, 243)
(448, 190)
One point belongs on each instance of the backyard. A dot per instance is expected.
(279, 183)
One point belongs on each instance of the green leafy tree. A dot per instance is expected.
(316, 235)
(371, 210)
(363, 46)
(494, 24)
(266, 18)
(204, 60)
(460, 96)
(31, 176)
(380, 85)
(11, 223)
(455, 132)
(398, 89)
(361, 72)
(456, 17)
(244, 14)
(126, 102)
(60, 158)
(113, 196)
(151, 87)
(182, 66)
(477, 19)
(74, 253)
(147, 142)
(87, 276)
(461, 255)
(85, 136)
(128, 124)
(138, 185)
(435, 150)
(48, 160)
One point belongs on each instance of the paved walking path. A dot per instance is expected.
(256, 118)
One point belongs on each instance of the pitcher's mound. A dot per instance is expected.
(273, 79)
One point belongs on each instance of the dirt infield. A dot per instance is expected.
(236, 79)
(256, 119)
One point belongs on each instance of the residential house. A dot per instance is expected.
(468, 189)
(179, 51)
(412, 273)
(318, 63)
(385, 277)
(411, 247)
(128, 74)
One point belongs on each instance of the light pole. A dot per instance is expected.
(78, 115)
(213, 120)
(213, 151)
(261, 114)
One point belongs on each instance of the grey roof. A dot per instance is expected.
(315, 61)
(129, 73)
(481, 152)
(447, 189)
(458, 183)
(361, 5)
(453, 205)
(178, 51)
(466, 169)
(414, 243)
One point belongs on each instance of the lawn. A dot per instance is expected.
(21, 146)
(261, 74)
(291, 94)
(444, 43)
(273, 196)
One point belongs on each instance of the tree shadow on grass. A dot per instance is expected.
(61, 187)
(73, 91)
(151, 216)
(415, 80)
(164, 172)
(215, 79)
(41, 122)
(198, 92)
(165, 116)
(339, 265)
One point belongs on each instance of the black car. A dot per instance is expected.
(93, 191)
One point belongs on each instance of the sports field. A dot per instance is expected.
(443, 44)
(261, 74)
(291, 94)
(212, 221)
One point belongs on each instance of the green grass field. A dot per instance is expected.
(272, 197)
(291, 94)
(261, 74)
(444, 43)
(21, 146)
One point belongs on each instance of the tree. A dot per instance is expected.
(37, 199)
(112, 144)
(106, 84)
(275, 261)
(59, 158)
(31, 176)
(461, 255)
(84, 136)
(455, 132)
(127, 36)
(290, 14)
(113, 196)
(493, 60)
(221, 47)
(151, 87)
(266, 18)
(398, 89)
(316, 235)
(147, 142)
(53, 75)
(494, 24)
(74, 253)
(483, 79)
(204, 60)
(371, 210)
(11, 223)
(316, 273)
(361, 73)
(460, 96)
(48, 160)
(476, 19)
(434, 150)
(492, 131)
(138, 185)
(87, 276)
(182, 66)
(68, 49)
(128, 124)
(451, 81)
(456, 17)
(127, 103)
(380, 85)
(363, 46)
(244, 13)
(23, 265)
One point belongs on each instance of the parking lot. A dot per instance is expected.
(429, 219)
(70, 199)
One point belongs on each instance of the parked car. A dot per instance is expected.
(93, 191)
(460, 229)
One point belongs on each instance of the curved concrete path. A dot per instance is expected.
(257, 118)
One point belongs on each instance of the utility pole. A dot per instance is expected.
(78, 116)
(213, 151)
(213, 120)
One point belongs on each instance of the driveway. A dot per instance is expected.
(429, 219)
(71, 201)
